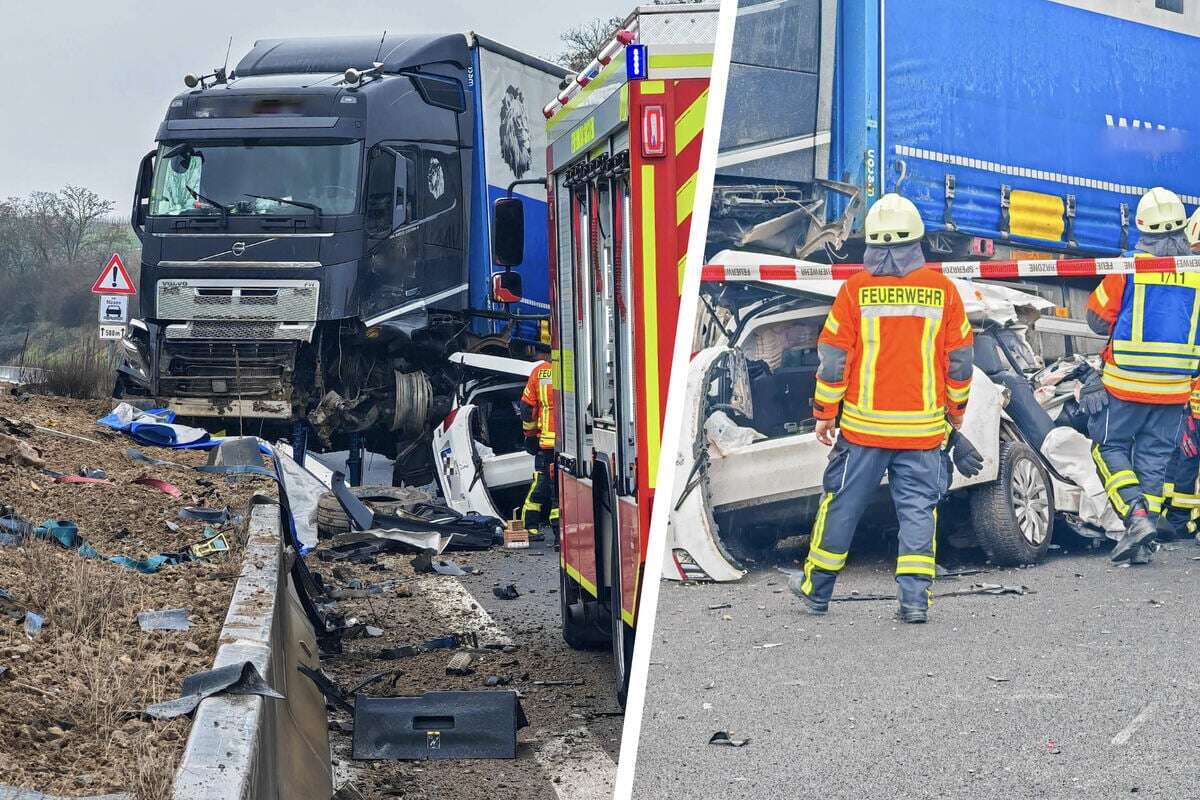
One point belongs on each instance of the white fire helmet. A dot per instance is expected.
(893, 220)
(1160, 211)
(1193, 229)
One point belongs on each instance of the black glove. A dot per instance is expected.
(1093, 397)
(964, 455)
(531, 445)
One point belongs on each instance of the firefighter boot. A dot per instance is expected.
(811, 606)
(1143, 554)
(913, 615)
(1139, 530)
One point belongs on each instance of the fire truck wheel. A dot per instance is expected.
(575, 632)
(622, 634)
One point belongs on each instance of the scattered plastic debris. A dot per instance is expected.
(997, 679)
(213, 516)
(723, 738)
(508, 592)
(167, 619)
(426, 563)
(19, 453)
(33, 624)
(162, 486)
(241, 678)
(443, 643)
(460, 664)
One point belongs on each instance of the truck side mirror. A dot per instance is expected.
(141, 194)
(508, 232)
(506, 287)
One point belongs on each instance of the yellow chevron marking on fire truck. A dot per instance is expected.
(577, 576)
(583, 135)
(623, 103)
(690, 122)
(1036, 215)
(680, 268)
(685, 199)
(650, 303)
(653, 87)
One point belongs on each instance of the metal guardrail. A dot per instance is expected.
(21, 375)
(246, 747)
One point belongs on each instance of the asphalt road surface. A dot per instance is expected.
(1085, 688)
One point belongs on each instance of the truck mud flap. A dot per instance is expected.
(438, 726)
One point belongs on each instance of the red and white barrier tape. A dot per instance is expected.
(1048, 268)
(588, 74)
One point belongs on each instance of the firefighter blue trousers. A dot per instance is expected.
(1133, 446)
(1180, 493)
(541, 503)
(917, 479)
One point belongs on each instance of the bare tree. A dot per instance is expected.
(78, 210)
(581, 43)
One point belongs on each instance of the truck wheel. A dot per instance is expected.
(576, 633)
(1013, 517)
(622, 634)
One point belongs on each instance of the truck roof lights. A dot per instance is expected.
(589, 73)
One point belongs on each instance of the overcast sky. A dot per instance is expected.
(87, 83)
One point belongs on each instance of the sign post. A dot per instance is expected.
(114, 287)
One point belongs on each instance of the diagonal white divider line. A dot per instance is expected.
(1126, 733)
(672, 420)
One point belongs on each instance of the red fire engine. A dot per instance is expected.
(622, 164)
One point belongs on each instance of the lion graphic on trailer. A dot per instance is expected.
(516, 143)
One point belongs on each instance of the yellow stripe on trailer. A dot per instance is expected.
(650, 327)
(1036, 215)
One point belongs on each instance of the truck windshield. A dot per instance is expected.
(198, 178)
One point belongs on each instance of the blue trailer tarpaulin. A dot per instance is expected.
(1044, 98)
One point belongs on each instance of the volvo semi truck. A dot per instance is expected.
(316, 238)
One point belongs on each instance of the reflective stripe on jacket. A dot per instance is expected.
(896, 355)
(537, 406)
(1152, 318)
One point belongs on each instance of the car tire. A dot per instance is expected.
(1013, 516)
(333, 521)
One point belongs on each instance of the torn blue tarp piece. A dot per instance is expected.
(148, 565)
(155, 427)
(64, 532)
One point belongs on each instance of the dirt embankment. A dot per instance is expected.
(70, 697)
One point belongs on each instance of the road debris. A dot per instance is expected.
(459, 664)
(723, 738)
(997, 679)
(241, 678)
(162, 486)
(167, 619)
(471, 724)
(19, 453)
(508, 592)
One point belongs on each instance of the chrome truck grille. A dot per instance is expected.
(216, 300)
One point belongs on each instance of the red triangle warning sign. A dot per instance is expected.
(114, 279)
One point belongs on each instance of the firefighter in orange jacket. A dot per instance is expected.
(1137, 405)
(538, 423)
(896, 357)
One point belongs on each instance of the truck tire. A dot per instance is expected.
(578, 634)
(331, 517)
(622, 634)
(1013, 517)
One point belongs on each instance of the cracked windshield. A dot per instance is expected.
(256, 178)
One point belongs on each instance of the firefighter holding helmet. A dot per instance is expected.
(538, 423)
(1138, 404)
(896, 360)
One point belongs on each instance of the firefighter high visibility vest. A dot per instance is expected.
(538, 397)
(906, 345)
(1154, 352)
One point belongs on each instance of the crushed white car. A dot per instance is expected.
(478, 450)
(749, 469)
